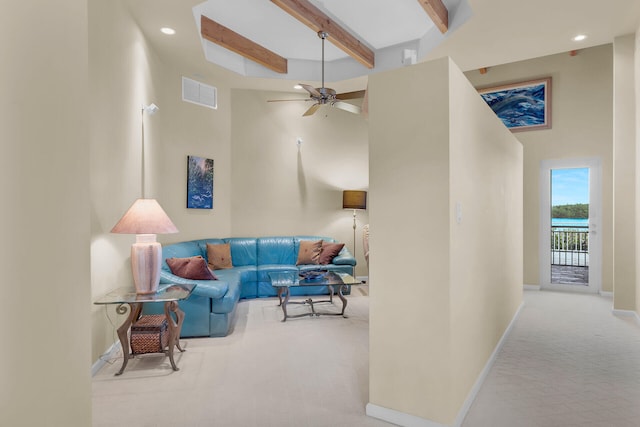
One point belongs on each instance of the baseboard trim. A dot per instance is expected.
(399, 418)
(109, 354)
(627, 313)
(531, 287)
(363, 279)
(407, 420)
(606, 294)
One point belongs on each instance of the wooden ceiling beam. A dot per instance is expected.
(229, 39)
(315, 19)
(438, 13)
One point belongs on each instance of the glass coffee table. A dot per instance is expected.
(127, 299)
(284, 281)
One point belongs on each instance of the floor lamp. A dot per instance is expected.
(354, 199)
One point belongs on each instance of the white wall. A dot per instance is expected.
(442, 293)
(486, 176)
(582, 127)
(624, 174)
(409, 340)
(120, 70)
(124, 74)
(636, 68)
(189, 129)
(44, 173)
(282, 188)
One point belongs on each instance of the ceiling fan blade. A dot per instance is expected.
(347, 107)
(351, 95)
(286, 100)
(312, 90)
(312, 110)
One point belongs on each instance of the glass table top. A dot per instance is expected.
(166, 292)
(293, 278)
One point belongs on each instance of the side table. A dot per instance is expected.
(127, 299)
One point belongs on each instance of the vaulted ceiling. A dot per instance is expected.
(279, 38)
(497, 32)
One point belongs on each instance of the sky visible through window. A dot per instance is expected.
(569, 186)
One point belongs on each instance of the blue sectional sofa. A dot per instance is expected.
(209, 311)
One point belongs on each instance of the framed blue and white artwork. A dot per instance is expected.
(199, 183)
(521, 106)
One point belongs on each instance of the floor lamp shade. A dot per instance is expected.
(354, 199)
(145, 218)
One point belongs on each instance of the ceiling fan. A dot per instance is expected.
(327, 96)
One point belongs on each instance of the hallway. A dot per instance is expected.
(567, 362)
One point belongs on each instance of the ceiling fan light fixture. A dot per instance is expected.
(324, 95)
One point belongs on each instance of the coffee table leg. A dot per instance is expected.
(174, 329)
(123, 331)
(283, 303)
(343, 299)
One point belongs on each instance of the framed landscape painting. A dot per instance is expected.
(199, 183)
(521, 106)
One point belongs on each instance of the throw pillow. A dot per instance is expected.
(309, 252)
(194, 268)
(219, 256)
(329, 251)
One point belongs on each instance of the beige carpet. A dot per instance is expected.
(568, 362)
(304, 372)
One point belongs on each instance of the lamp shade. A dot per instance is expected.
(354, 199)
(145, 216)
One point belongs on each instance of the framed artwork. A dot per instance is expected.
(521, 106)
(199, 183)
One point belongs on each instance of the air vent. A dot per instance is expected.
(199, 93)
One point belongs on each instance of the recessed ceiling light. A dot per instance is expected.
(168, 31)
(579, 38)
(297, 87)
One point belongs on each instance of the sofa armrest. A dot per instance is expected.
(344, 258)
(214, 289)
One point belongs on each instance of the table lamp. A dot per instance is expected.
(145, 218)
(354, 199)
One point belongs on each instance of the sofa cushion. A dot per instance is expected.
(219, 256)
(309, 252)
(276, 250)
(329, 251)
(244, 251)
(194, 268)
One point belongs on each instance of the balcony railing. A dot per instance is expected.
(570, 246)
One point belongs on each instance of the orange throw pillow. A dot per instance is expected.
(219, 256)
(309, 252)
